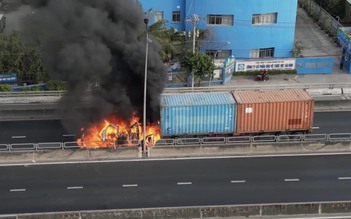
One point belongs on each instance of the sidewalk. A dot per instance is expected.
(285, 79)
(315, 43)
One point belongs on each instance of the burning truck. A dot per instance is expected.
(113, 132)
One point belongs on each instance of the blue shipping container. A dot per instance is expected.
(197, 114)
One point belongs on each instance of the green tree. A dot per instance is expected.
(201, 64)
(18, 57)
(171, 41)
(334, 7)
(5, 88)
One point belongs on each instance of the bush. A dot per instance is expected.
(270, 72)
(36, 88)
(24, 89)
(55, 85)
(5, 88)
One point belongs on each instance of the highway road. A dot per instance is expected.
(163, 183)
(53, 131)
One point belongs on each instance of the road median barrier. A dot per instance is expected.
(47, 111)
(67, 155)
(338, 207)
(325, 91)
(254, 210)
(253, 148)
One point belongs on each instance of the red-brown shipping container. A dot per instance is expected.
(274, 111)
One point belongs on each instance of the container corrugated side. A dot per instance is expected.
(197, 114)
(273, 111)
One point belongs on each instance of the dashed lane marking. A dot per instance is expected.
(74, 187)
(344, 178)
(130, 185)
(238, 181)
(184, 183)
(19, 137)
(291, 180)
(17, 190)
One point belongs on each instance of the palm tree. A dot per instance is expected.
(171, 40)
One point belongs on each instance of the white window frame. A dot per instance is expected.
(262, 53)
(176, 14)
(220, 20)
(158, 16)
(264, 19)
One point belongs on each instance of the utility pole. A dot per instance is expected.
(146, 21)
(195, 19)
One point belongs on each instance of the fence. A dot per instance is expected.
(196, 89)
(237, 140)
(326, 22)
(228, 141)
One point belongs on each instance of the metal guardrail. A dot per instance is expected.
(206, 141)
(49, 145)
(198, 89)
(33, 94)
(258, 87)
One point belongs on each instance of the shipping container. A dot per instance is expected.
(196, 114)
(275, 111)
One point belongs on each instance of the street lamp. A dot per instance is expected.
(195, 20)
(146, 21)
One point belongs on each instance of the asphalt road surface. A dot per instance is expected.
(53, 131)
(139, 184)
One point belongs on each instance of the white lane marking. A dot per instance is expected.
(314, 128)
(344, 178)
(238, 181)
(291, 180)
(74, 187)
(130, 185)
(17, 190)
(184, 183)
(18, 137)
(68, 135)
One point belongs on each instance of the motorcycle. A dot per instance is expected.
(262, 76)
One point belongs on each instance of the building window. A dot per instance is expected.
(176, 16)
(158, 16)
(270, 18)
(225, 20)
(219, 54)
(262, 53)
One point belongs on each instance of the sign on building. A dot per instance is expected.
(8, 79)
(259, 65)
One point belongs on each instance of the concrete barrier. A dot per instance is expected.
(332, 91)
(42, 111)
(339, 207)
(200, 150)
(346, 91)
(249, 149)
(262, 148)
(68, 155)
(256, 210)
(290, 209)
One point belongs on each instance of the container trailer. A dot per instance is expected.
(273, 112)
(236, 113)
(197, 114)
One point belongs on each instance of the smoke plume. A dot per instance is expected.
(98, 42)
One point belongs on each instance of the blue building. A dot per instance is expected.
(242, 28)
(344, 37)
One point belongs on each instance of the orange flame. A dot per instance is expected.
(113, 132)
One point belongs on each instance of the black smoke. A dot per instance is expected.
(97, 42)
